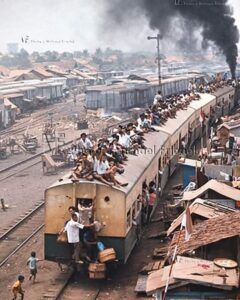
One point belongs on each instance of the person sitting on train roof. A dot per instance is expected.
(119, 149)
(137, 138)
(114, 155)
(85, 143)
(124, 139)
(83, 169)
(141, 123)
(73, 154)
(106, 173)
(156, 119)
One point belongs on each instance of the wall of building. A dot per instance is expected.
(138, 95)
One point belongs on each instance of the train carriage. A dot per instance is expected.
(116, 208)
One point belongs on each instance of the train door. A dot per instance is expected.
(180, 141)
(159, 171)
(85, 209)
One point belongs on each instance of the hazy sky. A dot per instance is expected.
(76, 23)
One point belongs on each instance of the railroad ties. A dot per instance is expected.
(19, 234)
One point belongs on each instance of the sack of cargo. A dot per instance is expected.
(107, 255)
(62, 238)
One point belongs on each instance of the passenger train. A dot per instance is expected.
(118, 208)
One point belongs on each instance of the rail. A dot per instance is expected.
(14, 234)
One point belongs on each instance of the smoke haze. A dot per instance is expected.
(176, 18)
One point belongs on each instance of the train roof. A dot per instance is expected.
(224, 90)
(155, 141)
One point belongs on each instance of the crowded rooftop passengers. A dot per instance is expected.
(101, 160)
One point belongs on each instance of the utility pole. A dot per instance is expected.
(158, 38)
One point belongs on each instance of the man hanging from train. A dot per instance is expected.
(72, 228)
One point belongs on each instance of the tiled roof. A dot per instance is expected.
(208, 232)
(203, 208)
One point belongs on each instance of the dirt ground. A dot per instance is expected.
(47, 277)
(121, 286)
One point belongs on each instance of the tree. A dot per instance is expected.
(77, 54)
(98, 52)
(51, 55)
(85, 53)
(97, 60)
(66, 55)
(23, 58)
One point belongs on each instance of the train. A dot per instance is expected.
(119, 209)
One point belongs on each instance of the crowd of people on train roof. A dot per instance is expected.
(104, 158)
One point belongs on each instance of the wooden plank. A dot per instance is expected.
(141, 284)
(152, 266)
(160, 252)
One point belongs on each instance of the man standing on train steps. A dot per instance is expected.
(72, 228)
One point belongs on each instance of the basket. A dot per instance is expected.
(97, 275)
(107, 255)
(97, 271)
(96, 267)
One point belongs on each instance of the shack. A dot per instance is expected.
(219, 192)
(200, 211)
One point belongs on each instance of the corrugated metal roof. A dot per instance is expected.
(214, 171)
(218, 187)
(13, 95)
(185, 271)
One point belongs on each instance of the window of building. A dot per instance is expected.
(129, 223)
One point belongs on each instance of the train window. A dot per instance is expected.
(129, 218)
(106, 199)
(160, 163)
(139, 203)
(134, 210)
(84, 202)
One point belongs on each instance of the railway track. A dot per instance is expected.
(15, 237)
(75, 290)
(17, 169)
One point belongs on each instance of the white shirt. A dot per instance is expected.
(85, 213)
(124, 140)
(72, 229)
(102, 167)
(87, 144)
(157, 98)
